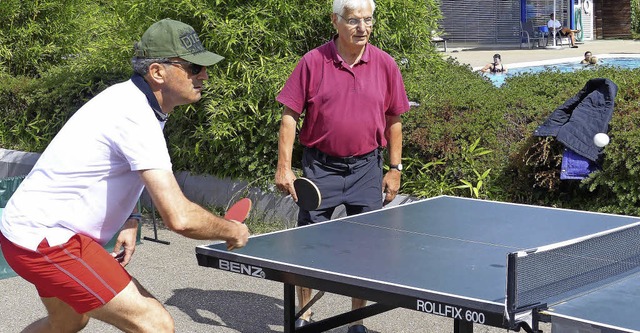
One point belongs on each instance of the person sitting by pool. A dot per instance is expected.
(587, 58)
(495, 67)
(563, 31)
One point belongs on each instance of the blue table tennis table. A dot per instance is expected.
(476, 261)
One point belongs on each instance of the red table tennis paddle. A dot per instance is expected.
(309, 197)
(239, 211)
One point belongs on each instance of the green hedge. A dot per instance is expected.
(467, 137)
(78, 48)
(508, 161)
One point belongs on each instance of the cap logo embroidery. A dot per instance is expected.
(191, 42)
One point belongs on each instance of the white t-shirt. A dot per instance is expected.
(86, 181)
(552, 23)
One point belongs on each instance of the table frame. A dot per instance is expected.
(388, 293)
(385, 296)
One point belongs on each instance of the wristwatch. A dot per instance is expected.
(397, 167)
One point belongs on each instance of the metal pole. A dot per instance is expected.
(554, 46)
(555, 17)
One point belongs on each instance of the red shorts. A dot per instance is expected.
(79, 272)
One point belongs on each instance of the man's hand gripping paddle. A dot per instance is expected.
(309, 197)
(238, 212)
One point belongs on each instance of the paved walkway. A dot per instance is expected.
(479, 56)
(203, 299)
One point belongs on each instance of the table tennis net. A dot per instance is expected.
(556, 272)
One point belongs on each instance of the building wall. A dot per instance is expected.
(613, 18)
(481, 21)
(498, 21)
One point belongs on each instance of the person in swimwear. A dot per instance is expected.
(496, 66)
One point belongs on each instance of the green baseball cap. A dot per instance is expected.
(169, 38)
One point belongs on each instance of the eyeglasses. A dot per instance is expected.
(354, 22)
(193, 68)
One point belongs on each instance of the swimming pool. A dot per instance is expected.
(627, 61)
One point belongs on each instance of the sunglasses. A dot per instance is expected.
(192, 68)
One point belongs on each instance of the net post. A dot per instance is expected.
(511, 303)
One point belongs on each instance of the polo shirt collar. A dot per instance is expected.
(139, 81)
(338, 59)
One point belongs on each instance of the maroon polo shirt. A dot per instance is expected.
(345, 107)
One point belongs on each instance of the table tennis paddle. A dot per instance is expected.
(119, 257)
(309, 197)
(239, 211)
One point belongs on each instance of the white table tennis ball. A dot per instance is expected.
(601, 139)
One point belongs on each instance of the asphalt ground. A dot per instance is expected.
(203, 299)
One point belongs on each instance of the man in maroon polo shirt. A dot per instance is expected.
(352, 95)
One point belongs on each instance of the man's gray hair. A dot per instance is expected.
(141, 65)
(340, 5)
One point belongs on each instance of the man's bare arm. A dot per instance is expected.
(183, 216)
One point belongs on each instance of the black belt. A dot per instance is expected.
(333, 159)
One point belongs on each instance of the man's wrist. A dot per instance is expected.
(397, 167)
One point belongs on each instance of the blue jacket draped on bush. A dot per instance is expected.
(579, 119)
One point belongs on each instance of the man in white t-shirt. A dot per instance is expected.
(84, 187)
(563, 31)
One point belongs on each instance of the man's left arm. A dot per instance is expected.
(391, 180)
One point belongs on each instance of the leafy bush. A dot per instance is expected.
(76, 49)
(54, 56)
(461, 107)
(466, 138)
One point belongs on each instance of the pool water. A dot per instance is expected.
(565, 65)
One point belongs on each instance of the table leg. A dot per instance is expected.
(462, 326)
(289, 308)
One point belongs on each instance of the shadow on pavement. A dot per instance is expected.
(242, 311)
